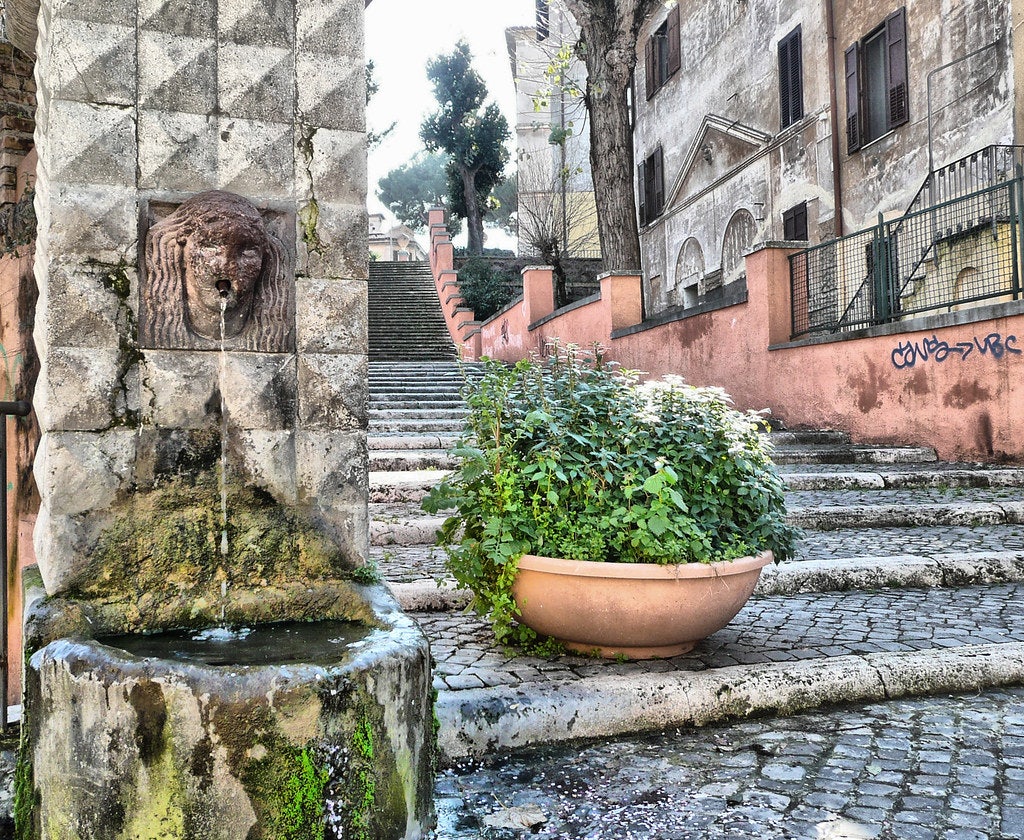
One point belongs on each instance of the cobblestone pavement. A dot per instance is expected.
(924, 769)
(776, 629)
(904, 496)
(921, 541)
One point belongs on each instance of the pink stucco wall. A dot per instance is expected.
(966, 400)
(968, 406)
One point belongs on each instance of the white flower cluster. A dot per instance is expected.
(673, 393)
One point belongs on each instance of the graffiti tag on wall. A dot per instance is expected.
(908, 353)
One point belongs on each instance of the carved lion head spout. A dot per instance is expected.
(214, 252)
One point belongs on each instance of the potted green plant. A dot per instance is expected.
(614, 516)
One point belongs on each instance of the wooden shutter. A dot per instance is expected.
(791, 94)
(896, 52)
(853, 133)
(650, 57)
(674, 44)
(641, 192)
(658, 179)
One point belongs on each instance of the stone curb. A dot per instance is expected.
(901, 572)
(480, 721)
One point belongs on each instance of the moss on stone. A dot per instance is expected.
(25, 796)
(286, 787)
(162, 548)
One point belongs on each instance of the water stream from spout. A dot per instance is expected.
(223, 459)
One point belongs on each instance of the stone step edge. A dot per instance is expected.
(418, 530)
(484, 720)
(909, 480)
(799, 577)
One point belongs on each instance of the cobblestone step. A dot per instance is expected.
(409, 525)
(825, 517)
(403, 486)
(401, 459)
(952, 547)
(389, 414)
(780, 653)
(398, 427)
(831, 477)
(409, 442)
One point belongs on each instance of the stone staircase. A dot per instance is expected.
(905, 582)
(404, 316)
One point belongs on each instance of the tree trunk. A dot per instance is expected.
(474, 218)
(609, 30)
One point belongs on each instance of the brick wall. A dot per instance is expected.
(17, 117)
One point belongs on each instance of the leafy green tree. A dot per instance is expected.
(414, 187)
(472, 135)
(608, 36)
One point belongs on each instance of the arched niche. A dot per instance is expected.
(736, 244)
(689, 274)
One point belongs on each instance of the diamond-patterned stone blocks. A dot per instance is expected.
(145, 103)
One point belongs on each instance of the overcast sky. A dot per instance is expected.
(401, 36)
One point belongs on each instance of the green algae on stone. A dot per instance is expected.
(286, 786)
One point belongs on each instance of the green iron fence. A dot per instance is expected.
(950, 254)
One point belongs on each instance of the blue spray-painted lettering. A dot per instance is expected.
(908, 353)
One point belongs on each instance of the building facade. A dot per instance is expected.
(393, 244)
(764, 120)
(556, 212)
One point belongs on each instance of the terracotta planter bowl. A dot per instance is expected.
(636, 610)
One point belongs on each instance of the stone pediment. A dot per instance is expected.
(719, 146)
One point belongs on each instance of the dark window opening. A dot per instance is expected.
(791, 83)
(543, 20)
(876, 82)
(651, 187)
(794, 223)
(662, 53)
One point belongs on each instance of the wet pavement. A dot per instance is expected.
(926, 769)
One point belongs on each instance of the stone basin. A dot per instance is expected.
(333, 744)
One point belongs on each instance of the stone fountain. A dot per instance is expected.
(203, 660)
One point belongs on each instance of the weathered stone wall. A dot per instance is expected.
(143, 106)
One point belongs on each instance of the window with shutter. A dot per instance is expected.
(662, 53)
(674, 42)
(658, 191)
(649, 67)
(791, 93)
(853, 98)
(877, 97)
(896, 55)
(794, 223)
(641, 190)
(650, 182)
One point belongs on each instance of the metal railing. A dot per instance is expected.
(986, 167)
(19, 408)
(945, 255)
